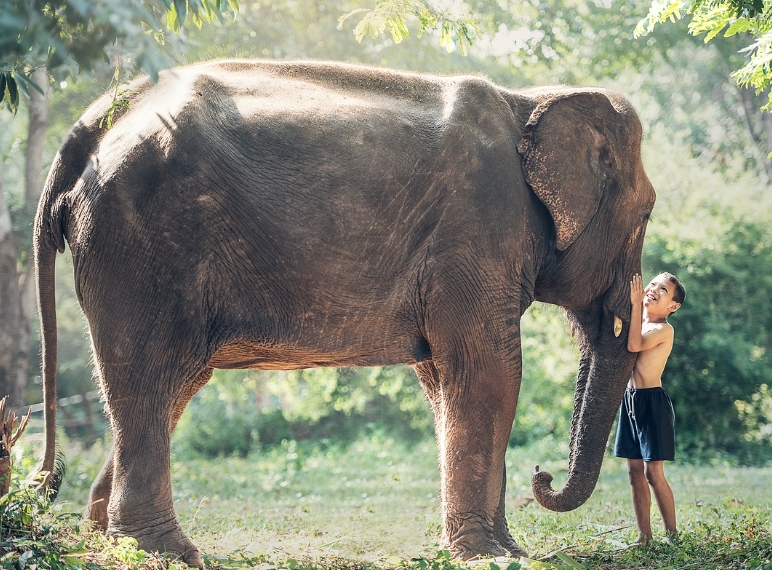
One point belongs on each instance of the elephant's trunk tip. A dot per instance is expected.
(541, 485)
(570, 498)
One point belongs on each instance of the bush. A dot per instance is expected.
(220, 419)
(718, 373)
(238, 409)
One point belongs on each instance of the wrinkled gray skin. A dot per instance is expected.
(291, 215)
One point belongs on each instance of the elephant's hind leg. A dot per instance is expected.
(99, 498)
(144, 407)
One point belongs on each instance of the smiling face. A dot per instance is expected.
(658, 297)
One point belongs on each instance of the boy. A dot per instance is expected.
(646, 429)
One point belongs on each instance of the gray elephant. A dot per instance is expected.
(287, 215)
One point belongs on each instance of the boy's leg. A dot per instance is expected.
(641, 498)
(655, 474)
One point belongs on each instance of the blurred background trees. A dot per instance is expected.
(705, 150)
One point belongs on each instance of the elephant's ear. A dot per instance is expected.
(567, 158)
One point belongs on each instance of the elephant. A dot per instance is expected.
(248, 214)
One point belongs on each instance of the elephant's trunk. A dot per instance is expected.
(604, 370)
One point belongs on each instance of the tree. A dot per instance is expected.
(394, 15)
(69, 36)
(718, 372)
(61, 38)
(747, 18)
(17, 296)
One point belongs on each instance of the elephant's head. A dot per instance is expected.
(582, 158)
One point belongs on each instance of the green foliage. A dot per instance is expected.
(391, 15)
(69, 36)
(36, 534)
(239, 409)
(549, 374)
(740, 538)
(221, 419)
(717, 374)
(120, 104)
(11, 83)
(732, 17)
(443, 561)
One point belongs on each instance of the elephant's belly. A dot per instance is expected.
(243, 354)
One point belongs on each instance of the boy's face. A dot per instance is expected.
(658, 296)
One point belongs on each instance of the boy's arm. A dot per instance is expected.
(635, 334)
(660, 333)
(637, 341)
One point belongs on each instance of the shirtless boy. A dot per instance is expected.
(646, 430)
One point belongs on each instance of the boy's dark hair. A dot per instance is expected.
(680, 293)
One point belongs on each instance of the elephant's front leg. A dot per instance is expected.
(500, 526)
(475, 412)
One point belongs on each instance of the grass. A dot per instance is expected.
(374, 504)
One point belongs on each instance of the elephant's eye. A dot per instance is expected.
(646, 216)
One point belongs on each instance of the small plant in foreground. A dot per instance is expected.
(35, 534)
(10, 432)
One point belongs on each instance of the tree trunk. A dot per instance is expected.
(10, 310)
(17, 292)
(757, 123)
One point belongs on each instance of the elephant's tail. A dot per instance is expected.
(49, 232)
(75, 156)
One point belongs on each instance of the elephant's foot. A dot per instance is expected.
(502, 536)
(97, 513)
(473, 543)
(173, 542)
(513, 548)
(99, 496)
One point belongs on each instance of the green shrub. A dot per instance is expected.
(237, 410)
(220, 419)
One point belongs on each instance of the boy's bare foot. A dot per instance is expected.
(642, 539)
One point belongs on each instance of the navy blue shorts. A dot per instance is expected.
(646, 428)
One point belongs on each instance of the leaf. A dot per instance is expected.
(182, 12)
(31, 83)
(79, 548)
(172, 20)
(20, 85)
(13, 91)
(738, 26)
(2, 87)
(22, 562)
(566, 559)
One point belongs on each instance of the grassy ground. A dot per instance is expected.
(375, 503)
